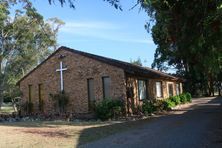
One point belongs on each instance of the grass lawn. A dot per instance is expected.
(59, 133)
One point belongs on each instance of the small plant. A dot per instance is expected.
(188, 97)
(158, 105)
(147, 107)
(61, 101)
(168, 104)
(109, 108)
(183, 98)
(175, 99)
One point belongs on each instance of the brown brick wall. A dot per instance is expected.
(132, 81)
(80, 68)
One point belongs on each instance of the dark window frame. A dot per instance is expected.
(103, 84)
(30, 93)
(170, 84)
(88, 91)
(146, 83)
(40, 97)
(178, 89)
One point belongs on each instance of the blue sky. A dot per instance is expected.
(98, 28)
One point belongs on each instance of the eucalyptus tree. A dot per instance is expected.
(115, 3)
(25, 40)
(188, 35)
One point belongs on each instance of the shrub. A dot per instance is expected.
(183, 98)
(188, 97)
(168, 104)
(158, 105)
(7, 99)
(109, 108)
(175, 99)
(147, 107)
(61, 100)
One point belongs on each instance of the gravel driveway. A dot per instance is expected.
(197, 125)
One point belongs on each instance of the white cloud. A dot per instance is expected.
(90, 25)
(96, 30)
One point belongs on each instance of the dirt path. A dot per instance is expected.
(197, 125)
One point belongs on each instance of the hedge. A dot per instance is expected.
(176, 100)
(108, 108)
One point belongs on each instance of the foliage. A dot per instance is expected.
(114, 3)
(137, 62)
(11, 93)
(188, 35)
(25, 40)
(109, 108)
(147, 107)
(188, 97)
(168, 104)
(183, 98)
(61, 101)
(175, 99)
(158, 105)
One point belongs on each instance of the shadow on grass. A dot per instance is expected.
(48, 133)
(95, 133)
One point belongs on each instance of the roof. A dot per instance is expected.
(129, 68)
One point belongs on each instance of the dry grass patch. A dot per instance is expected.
(59, 134)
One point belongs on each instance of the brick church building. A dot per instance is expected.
(87, 78)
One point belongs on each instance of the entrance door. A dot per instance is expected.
(130, 99)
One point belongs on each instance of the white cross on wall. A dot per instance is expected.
(61, 69)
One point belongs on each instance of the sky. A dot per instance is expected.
(97, 27)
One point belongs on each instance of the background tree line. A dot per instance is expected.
(25, 40)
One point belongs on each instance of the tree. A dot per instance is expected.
(188, 35)
(115, 3)
(25, 40)
(137, 62)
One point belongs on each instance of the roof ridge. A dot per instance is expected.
(126, 66)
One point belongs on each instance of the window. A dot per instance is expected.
(159, 93)
(40, 98)
(178, 88)
(91, 94)
(30, 93)
(142, 90)
(106, 87)
(170, 89)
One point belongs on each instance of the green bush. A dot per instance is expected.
(188, 97)
(168, 104)
(183, 98)
(108, 108)
(175, 99)
(147, 107)
(158, 105)
(7, 99)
